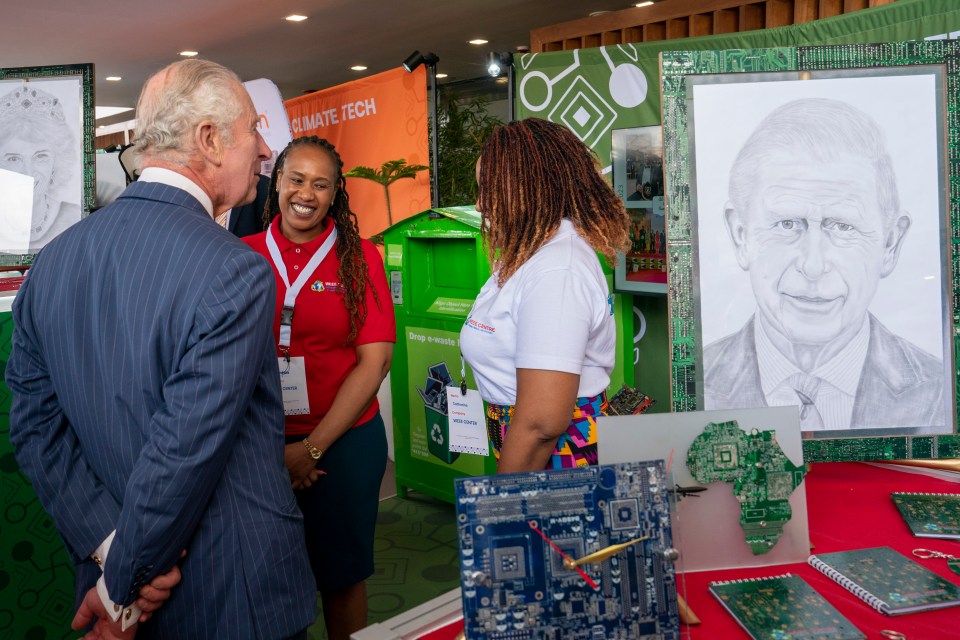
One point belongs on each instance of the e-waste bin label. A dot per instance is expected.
(451, 306)
(432, 355)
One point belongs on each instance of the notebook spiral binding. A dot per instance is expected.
(921, 493)
(744, 580)
(847, 584)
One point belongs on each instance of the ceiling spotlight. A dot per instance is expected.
(113, 78)
(644, 4)
(295, 18)
(441, 75)
(358, 67)
(416, 58)
(189, 54)
(497, 62)
(478, 41)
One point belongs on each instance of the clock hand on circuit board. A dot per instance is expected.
(602, 554)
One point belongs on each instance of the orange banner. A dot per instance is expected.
(372, 121)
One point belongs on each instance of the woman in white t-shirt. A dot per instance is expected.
(540, 336)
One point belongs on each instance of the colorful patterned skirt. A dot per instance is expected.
(577, 447)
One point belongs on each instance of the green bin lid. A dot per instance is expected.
(466, 215)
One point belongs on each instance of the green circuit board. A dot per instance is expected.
(680, 69)
(763, 477)
(783, 607)
(930, 515)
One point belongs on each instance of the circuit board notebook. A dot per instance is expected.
(888, 581)
(930, 515)
(783, 606)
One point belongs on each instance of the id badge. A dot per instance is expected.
(467, 422)
(293, 384)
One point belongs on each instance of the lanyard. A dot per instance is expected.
(290, 297)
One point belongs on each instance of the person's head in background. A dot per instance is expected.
(195, 117)
(35, 140)
(531, 175)
(815, 219)
(307, 192)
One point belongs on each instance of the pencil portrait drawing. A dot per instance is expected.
(39, 139)
(815, 221)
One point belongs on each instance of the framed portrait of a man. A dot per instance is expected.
(46, 155)
(637, 156)
(810, 244)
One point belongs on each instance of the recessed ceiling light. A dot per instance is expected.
(295, 18)
(441, 75)
(478, 41)
(189, 54)
(358, 67)
(113, 78)
(644, 4)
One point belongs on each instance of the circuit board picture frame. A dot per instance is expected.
(637, 167)
(56, 105)
(813, 78)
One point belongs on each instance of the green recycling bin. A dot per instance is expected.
(436, 266)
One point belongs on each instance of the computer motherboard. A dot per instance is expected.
(521, 535)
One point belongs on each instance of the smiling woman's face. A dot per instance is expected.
(306, 187)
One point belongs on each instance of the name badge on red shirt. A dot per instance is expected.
(293, 384)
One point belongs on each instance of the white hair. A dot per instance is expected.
(822, 129)
(178, 98)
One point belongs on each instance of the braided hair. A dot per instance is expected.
(532, 174)
(352, 273)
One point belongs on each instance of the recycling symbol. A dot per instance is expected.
(436, 434)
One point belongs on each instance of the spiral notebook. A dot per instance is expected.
(783, 606)
(888, 581)
(930, 515)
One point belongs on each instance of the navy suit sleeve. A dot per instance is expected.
(191, 435)
(47, 448)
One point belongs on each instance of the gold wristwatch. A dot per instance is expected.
(315, 452)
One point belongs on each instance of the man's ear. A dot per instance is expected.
(892, 242)
(738, 234)
(209, 142)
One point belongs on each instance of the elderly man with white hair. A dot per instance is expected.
(146, 399)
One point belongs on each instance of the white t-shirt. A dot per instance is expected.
(554, 313)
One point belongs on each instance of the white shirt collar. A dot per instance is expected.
(842, 371)
(180, 181)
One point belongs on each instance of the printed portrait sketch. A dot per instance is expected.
(41, 138)
(820, 250)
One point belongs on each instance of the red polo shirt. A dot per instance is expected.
(321, 323)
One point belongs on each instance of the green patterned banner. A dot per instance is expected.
(594, 91)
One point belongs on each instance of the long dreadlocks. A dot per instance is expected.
(532, 174)
(352, 273)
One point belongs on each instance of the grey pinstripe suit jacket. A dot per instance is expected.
(146, 399)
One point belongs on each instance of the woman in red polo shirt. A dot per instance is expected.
(335, 332)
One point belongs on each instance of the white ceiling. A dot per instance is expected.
(132, 39)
